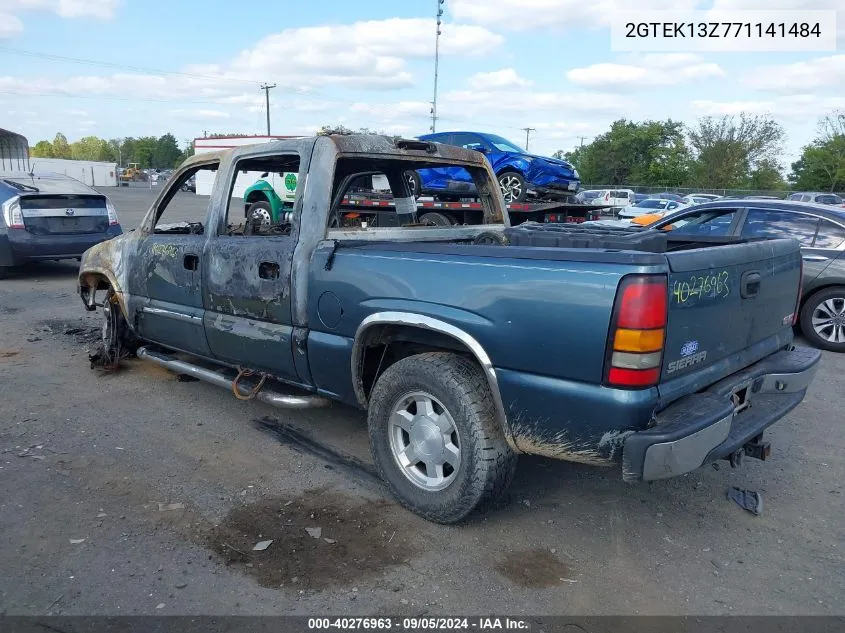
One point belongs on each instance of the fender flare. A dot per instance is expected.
(429, 323)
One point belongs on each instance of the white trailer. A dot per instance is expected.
(92, 173)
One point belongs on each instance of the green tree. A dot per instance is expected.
(766, 176)
(90, 148)
(821, 166)
(630, 153)
(728, 149)
(42, 149)
(166, 151)
(61, 148)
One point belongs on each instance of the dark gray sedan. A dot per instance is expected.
(819, 228)
(50, 216)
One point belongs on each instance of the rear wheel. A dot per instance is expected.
(822, 319)
(433, 218)
(435, 438)
(261, 210)
(513, 186)
(116, 337)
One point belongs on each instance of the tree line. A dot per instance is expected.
(727, 152)
(148, 151)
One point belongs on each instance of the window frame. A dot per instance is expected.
(159, 207)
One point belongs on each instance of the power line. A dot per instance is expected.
(266, 89)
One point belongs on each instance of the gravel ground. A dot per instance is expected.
(132, 492)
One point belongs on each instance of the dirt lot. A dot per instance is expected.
(134, 492)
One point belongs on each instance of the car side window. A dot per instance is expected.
(830, 235)
(829, 198)
(463, 139)
(262, 195)
(712, 223)
(770, 224)
(181, 211)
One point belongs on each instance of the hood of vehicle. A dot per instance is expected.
(551, 161)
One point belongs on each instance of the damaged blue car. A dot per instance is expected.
(519, 173)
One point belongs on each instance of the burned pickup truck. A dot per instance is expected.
(466, 345)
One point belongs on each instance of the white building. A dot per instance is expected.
(92, 173)
(205, 179)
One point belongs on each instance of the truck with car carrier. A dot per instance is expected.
(652, 353)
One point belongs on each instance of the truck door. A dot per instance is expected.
(165, 295)
(246, 280)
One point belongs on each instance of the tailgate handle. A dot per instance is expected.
(750, 284)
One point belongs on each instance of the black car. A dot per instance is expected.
(50, 216)
(819, 228)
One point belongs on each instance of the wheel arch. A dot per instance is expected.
(814, 289)
(94, 279)
(382, 328)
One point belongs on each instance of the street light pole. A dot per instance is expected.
(436, 64)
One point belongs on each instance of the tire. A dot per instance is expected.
(414, 183)
(116, 337)
(183, 187)
(433, 218)
(513, 186)
(263, 209)
(827, 307)
(458, 395)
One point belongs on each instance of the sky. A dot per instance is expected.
(117, 68)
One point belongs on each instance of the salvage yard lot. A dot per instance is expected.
(133, 492)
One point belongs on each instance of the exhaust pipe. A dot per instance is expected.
(220, 379)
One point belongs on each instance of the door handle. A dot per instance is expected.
(815, 258)
(191, 261)
(749, 284)
(268, 270)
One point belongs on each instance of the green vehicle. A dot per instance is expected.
(270, 196)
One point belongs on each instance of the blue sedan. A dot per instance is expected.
(519, 173)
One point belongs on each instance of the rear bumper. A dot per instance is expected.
(18, 246)
(706, 426)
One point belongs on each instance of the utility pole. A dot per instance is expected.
(582, 140)
(528, 131)
(266, 89)
(440, 4)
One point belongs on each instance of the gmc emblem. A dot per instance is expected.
(69, 212)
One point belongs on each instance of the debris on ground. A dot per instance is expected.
(76, 541)
(330, 541)
(181, 585)
(314, 532)
(160, 605)
(168, 507)
(262, 545)
(747, 500)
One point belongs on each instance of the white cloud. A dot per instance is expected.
(652, 71)
(821, 72)
(11, 25)
(798, 108)
(393, 111)
(505, 78)
(205, 115)
(523, 15)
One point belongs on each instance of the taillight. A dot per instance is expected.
(12, 214)
(637, 332)
(112, 213)
(800, 292)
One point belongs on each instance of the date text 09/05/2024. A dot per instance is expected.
(418, 624)
(722, 29)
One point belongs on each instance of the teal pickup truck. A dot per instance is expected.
(652, 353)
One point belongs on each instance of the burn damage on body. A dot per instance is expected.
(537, 437)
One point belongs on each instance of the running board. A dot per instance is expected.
(225, 378)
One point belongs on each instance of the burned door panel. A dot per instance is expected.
(247, 302)
(168, 276)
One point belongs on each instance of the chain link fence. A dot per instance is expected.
(683, 191)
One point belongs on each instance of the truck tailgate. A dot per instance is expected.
(725, 299)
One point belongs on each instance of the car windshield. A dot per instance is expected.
(504, 145)
(651, 204)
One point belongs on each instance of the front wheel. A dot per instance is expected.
(513, 186)
(822, 319)
(435, 438)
